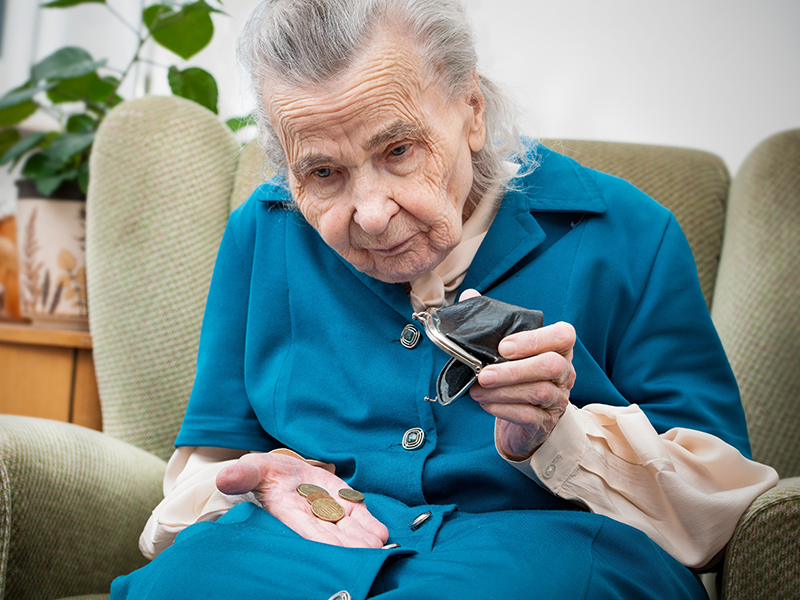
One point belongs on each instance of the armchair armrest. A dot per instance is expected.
(761, 560)
(73, 502)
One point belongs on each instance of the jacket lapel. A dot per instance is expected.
(557, 185)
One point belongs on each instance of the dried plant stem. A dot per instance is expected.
(30, 267)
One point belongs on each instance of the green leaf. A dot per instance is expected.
(8, 137)
(47, 173)
(237, 123)
(18, 113)
(50, 183)
(22, 94)
(21, 147)
(83, 177)
(68, 145)
(184, 32)
(194, 84)
(40, 165)
(67, 3)
(88, 88)
(80, 123)
(66, 63)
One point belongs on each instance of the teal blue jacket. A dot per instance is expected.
(300, 350)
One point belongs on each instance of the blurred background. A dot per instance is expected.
(716, 75)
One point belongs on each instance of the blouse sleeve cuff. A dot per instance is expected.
(552, 465)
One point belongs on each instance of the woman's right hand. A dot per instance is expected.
(274, 478)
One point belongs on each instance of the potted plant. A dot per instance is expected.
(78, 91)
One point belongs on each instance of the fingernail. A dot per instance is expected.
(487, 377)
(507, 348)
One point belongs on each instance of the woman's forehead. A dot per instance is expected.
(382, 96)
(390, 71)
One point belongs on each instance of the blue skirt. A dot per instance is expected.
(507, 555)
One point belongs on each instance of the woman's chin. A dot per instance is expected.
(398, 269)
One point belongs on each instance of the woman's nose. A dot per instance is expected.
(373, 210)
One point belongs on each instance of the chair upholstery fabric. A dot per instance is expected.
(72, 504)
(162, 177)
(691, 183)
(757, 313)
(165, 174)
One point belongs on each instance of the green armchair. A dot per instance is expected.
(165, 176)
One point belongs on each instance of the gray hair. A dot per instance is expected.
(310, 42)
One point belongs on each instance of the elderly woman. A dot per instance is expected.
(606, 457)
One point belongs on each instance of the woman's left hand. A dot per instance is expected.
(530, 391)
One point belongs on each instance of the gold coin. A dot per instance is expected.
(316, 496)
(327, 509)
(304, 489)
(351, 495)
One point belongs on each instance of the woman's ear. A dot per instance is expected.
(477, 131)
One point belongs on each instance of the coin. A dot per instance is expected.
(304, 489)
(351, 495)
(327, 509)
(316, 496)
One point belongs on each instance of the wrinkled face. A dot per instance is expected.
(380, 160)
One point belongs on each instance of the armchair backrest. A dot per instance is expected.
(757, 304)
(162, 176)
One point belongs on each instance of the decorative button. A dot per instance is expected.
(410, 336)
(550, 469)
(416, 523)
(413, 438)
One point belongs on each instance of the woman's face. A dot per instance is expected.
(380, 160)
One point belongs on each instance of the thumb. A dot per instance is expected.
(467, 294)
(238, 478)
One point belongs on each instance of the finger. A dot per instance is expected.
(526, 416)
(467, 294)
(368, 523)
(312, 528)
(544, 367)
(558, 337)
(238, 478)
(356, 536)
(542, 394)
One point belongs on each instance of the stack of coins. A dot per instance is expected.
(323, 505)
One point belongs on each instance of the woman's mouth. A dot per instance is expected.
(395, 249)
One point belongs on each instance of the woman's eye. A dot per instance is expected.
(326, 172)
(399, 150)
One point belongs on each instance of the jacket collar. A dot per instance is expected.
(558, 184)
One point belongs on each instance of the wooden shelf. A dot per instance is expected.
(48, 372)
(20, 333)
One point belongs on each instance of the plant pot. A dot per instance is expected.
(51, 238)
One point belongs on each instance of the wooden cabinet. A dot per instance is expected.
(48, 373)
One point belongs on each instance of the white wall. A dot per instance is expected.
(717, 75)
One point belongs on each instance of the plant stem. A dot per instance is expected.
(154, 63)
(127, 69)
(123, 19)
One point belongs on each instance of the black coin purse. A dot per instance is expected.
(470, 332)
